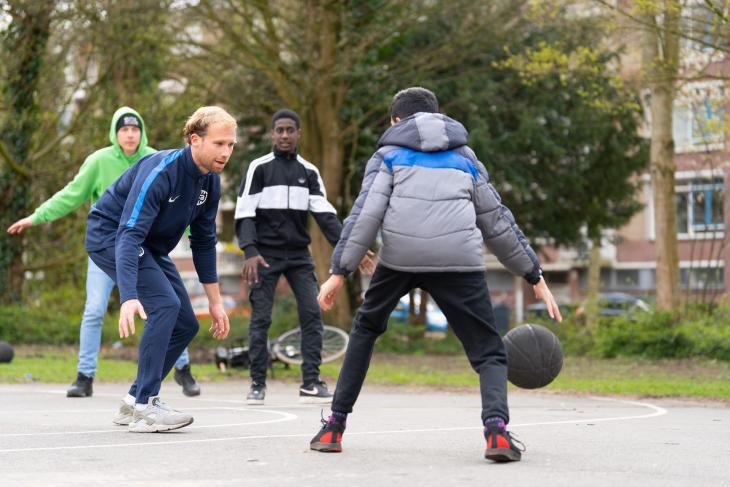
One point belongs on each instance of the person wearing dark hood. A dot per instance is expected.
(278, 192)
(431, 198)
(128, 139)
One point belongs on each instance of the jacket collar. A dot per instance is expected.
(189, 164)
(285, 155)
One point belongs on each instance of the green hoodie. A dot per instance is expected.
(96, 174)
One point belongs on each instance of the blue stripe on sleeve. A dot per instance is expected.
(448, 159)
(146, 186)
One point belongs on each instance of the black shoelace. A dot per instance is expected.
(518, 444)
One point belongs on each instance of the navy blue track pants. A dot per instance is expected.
(171, 323)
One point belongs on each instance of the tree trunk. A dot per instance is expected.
(660, 56)
(327, 155)
(412, 307)
(594, 283)
(26, 36)
(323, 142)
(422, 308)
(417, 316)
(665, 209)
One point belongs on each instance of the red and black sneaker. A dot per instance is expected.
(329, 438)
(501, 447)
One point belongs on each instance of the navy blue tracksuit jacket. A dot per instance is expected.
(147, 210)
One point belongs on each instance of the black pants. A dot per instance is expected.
(299, 272)
(464, 299)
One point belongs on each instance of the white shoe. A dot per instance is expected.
(124, 415)
(158, 416)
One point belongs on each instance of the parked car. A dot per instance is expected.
(609, 304)
(435, 318)
(616, 304)
(200, 305)
(539, 311)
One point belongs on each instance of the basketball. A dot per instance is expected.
(6, 352)
(534, 356)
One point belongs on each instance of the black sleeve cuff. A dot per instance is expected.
(250, 251)
(337, 271)
(534, 276)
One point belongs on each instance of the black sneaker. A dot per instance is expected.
(315, 393)
(501, 447)
(184, 377)
(256, 395)
(81, 387)
(329, 438)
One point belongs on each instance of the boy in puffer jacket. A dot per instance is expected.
(431, 197)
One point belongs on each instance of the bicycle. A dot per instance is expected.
(286, 348)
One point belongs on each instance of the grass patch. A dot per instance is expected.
(640, 377)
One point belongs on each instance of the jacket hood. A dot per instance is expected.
(141, 149)
(426, 132)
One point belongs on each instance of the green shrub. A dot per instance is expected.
(575, 337)
(708, 337)
(650, 335)
(21, 325)
(700, 333)
(401, 337)
(654, 334)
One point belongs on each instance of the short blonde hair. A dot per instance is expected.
(204, 117)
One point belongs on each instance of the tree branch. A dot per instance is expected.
(17, 169)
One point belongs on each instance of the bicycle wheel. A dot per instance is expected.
(288, 347)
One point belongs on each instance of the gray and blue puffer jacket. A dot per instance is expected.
(432, 197)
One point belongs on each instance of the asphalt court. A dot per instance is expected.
(397, 436)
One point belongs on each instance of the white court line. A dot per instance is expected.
(122, 429)
(196, 399)
(107, 410)
(656, 411)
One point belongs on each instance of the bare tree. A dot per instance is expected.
(316, 56)
(669, 32)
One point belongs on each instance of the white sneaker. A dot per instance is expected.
(124, 415)
(158, 416)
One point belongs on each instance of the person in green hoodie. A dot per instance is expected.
(99, 170)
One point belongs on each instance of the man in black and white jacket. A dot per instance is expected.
(277, 194)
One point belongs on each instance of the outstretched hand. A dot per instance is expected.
(20, 225)
(251, 268)
(129, 309)
(543, 292)
(328, 291)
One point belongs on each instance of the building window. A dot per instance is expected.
(702, 24)
(700, 206)
(623, 280)
(702, 278)
(500, 281)
(556, 277)
(627, 278)
(698, 125)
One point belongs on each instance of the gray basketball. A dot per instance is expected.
(534, 356)
(6, 352)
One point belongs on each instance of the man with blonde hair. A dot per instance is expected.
(128, 139)
(130, 232)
